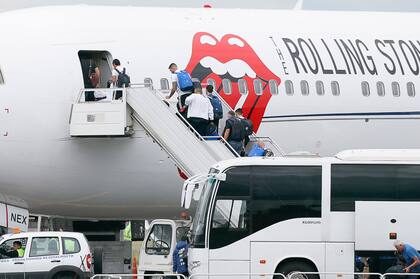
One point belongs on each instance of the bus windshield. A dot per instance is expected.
(198, 231)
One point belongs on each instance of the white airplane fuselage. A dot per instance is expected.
(131, 177)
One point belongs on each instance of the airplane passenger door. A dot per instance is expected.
(89, 60)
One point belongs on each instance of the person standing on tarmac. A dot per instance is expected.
(180, 257)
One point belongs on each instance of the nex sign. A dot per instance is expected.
(21, 219)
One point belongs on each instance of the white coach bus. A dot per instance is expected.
(309, 214)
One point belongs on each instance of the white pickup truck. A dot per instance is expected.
(160, 242)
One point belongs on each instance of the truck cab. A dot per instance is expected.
(160, 242)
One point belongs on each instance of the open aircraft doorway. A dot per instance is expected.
(96, 68)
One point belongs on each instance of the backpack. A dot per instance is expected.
(237, 132)
(123, 78)
(247, 126)
(217, 107)
(184, 81)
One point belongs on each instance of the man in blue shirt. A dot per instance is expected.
(411, 258)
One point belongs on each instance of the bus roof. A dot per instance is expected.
(402, 156)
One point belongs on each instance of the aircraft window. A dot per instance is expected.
(289, 87)
(148, 82)
(1, 78)
(365, 89)
(274, 90)
(395, 89)
(411, 89)
(304, 87)
(164, 84)
(258, 88)
(227, 86)
(335, 88)
(211, 81)
(319, 88)
(380, 87)
(243, 86)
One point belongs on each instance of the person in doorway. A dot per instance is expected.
(182, 95)
(217, 105)
(180, 257)
(234, 132)
(94, 75)
(410, 256)
(119, 78)
(200, 111)
(247, 125)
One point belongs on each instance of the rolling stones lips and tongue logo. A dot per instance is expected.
(232, 58)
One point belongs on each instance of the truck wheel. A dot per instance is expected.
(97, 260)
(289, 268)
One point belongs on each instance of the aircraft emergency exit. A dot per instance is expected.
(311, 80)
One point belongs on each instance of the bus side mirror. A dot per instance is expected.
(221, 176)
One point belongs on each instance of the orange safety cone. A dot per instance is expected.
(134, 268)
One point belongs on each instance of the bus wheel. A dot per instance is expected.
(289, 268)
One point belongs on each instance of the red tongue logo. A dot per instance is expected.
(232, 47)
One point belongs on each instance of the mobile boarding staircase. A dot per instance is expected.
(192, 153)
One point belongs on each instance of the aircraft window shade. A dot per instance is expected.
(274, 90)
(243, 86)
(335, 88)
(395, 89)
(320, 88)
(212, 82)
(148, 82)
(258, 88)
(164, 84)
(1, 78)
(289, 87)
(411, 89)
(365, 89)
(380, 87)
(227, 86)
(304, 88)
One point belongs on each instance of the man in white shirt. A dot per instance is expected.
(173, 68)
(116, 81)
(200, 111)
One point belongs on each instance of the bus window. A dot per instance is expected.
(229, 222)
(350, 183)
(281, 193)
